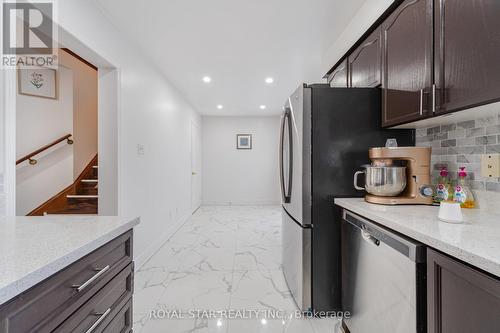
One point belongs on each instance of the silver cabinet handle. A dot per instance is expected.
(80, 287)
(359, 188)
(99, 320)
(421, 102)
(433, 98)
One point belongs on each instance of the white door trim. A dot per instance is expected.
(9, 107)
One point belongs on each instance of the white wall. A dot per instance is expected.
(156, 185)
(40, 121)
(2, 143)
(8, 105)
(84, 111)
(108, 145)
(240, 177)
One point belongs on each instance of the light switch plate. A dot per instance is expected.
(490, 166)
(140, 149)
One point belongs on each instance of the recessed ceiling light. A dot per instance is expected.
(269, 80)
(262, 107)
(207, 79)
(220, 106)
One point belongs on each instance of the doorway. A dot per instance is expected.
(195, 166)
(56, 165)
(107, 131)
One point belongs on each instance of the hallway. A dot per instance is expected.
(226, 257)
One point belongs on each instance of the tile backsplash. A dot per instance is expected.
(462, 144)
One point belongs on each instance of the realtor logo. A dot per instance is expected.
(27, 28)
(28, 34)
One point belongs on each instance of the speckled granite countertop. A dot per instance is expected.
(34, 248)
(477, 241)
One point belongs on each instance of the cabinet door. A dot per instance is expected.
(407, 62)
(460, 299)
(467, 44)
(338, 78)
(365, 62)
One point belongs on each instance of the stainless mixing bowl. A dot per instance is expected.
(384, 181)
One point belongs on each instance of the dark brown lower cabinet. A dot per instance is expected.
(460, 299)
(122, 322)
(99, 311)
(94, 292)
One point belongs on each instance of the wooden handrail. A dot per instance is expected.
(39, 150)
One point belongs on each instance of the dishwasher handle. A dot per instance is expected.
(375, 234)
(369, 238)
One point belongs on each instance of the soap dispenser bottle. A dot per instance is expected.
(463, 194)
(444, 190)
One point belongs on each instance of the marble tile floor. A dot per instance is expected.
(223, 258)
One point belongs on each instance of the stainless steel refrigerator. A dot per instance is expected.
(325, 136)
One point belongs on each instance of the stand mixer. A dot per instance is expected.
(398, 176)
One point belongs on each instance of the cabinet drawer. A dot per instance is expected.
(99, 311)
(48, 304)
(122, 322)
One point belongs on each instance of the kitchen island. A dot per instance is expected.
(56, 271)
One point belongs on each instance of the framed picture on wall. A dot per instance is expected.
(38, 82)
(243, 141)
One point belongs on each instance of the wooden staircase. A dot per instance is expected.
(79, 198)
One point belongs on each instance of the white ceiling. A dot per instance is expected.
(237, 43)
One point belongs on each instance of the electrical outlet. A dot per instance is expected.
(490, 166)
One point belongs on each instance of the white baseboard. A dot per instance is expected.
(246, 203)
(143, 257)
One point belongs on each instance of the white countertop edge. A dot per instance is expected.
(486, 264)
(31, 279)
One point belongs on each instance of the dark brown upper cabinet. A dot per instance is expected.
(338, 77)
(460, 299)
(437, 56)
(365, 61)
(407, 63)
(467, 53)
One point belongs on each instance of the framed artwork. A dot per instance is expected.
(38, 82)
(243, 141)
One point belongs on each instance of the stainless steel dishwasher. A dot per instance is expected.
(383, 279)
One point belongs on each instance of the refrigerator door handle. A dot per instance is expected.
(282, 175)
(290, 153)
(286, 123)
